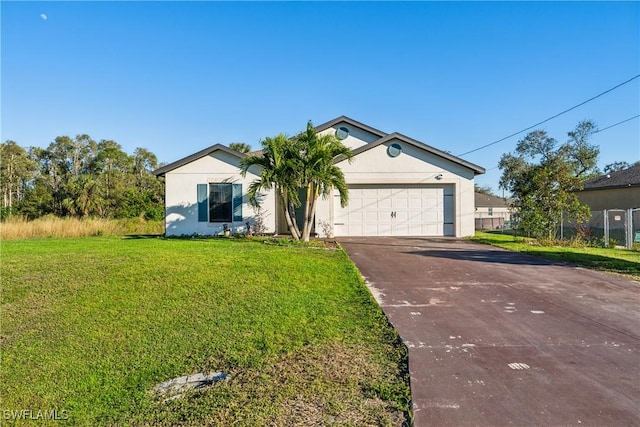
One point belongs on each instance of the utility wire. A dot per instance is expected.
(552, 117)
(616, 124)
(598, 131)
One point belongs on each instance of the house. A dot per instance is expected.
(491, 212)
(614, 200)
(615, 190)
(398, 186)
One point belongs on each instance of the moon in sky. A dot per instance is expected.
(43, 16)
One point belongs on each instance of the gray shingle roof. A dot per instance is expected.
(488, 201)
(383, 137)
(349, 120)
(195, 156)
(477, 170)
(629, 177)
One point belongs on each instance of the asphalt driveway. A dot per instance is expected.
(498, 338)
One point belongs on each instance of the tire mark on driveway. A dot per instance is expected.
(504, 338)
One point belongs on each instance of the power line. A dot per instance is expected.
(598, 131)
(616, 124)
(552, 117)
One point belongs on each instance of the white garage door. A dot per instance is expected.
(376, 210)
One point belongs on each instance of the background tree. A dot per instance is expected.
(485, 189)
(114, 174)
(240, 147)
(581, 156)
(618, 166)
(146, 197)
(80, 177)
(543, 177)
(144, 162)
(16, 169)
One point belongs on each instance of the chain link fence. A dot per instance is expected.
(491, 223)
(635, 227)
(611, 228)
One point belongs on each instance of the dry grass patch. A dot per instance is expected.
(16, 228)
(334, 384)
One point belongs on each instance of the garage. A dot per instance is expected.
(385, 210)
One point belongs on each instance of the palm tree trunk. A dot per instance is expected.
(295, 228)
(314, 205)
(10, 198)
(306, 229)
(287, 216)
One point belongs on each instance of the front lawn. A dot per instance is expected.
(620, 261)
(90, 325)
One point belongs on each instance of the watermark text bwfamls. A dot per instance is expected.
(30, 414)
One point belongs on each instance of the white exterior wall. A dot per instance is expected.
(182, 197)
(324, 215)
(324, 210)
(466, 208)
(497, 212)
(357, 137)
(412, 166)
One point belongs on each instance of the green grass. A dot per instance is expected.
(90, 325)
(620, 261)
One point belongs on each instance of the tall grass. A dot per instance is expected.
(16, 228)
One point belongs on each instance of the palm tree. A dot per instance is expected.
(280, 169)
(306, 162)
(320, 174)
(240, 147)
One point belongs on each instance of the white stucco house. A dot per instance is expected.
(398, 186)
(492, 212)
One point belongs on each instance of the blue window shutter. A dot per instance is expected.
(203, 205)
(237, 202)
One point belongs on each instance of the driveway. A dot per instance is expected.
(498, 338)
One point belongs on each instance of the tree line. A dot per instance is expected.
(79, 177)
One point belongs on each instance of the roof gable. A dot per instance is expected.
(195, 156)
(350, 121)
(383, 138)
(629, 177)
(477, 170)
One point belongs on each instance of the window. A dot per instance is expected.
(219, 202)
(220, 205)
(394, 150)
(342, 133)
(490, 211)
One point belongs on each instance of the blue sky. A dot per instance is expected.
(177, 77)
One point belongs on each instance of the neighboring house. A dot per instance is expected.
(491, 212)
(615, 190)
(398, 186)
